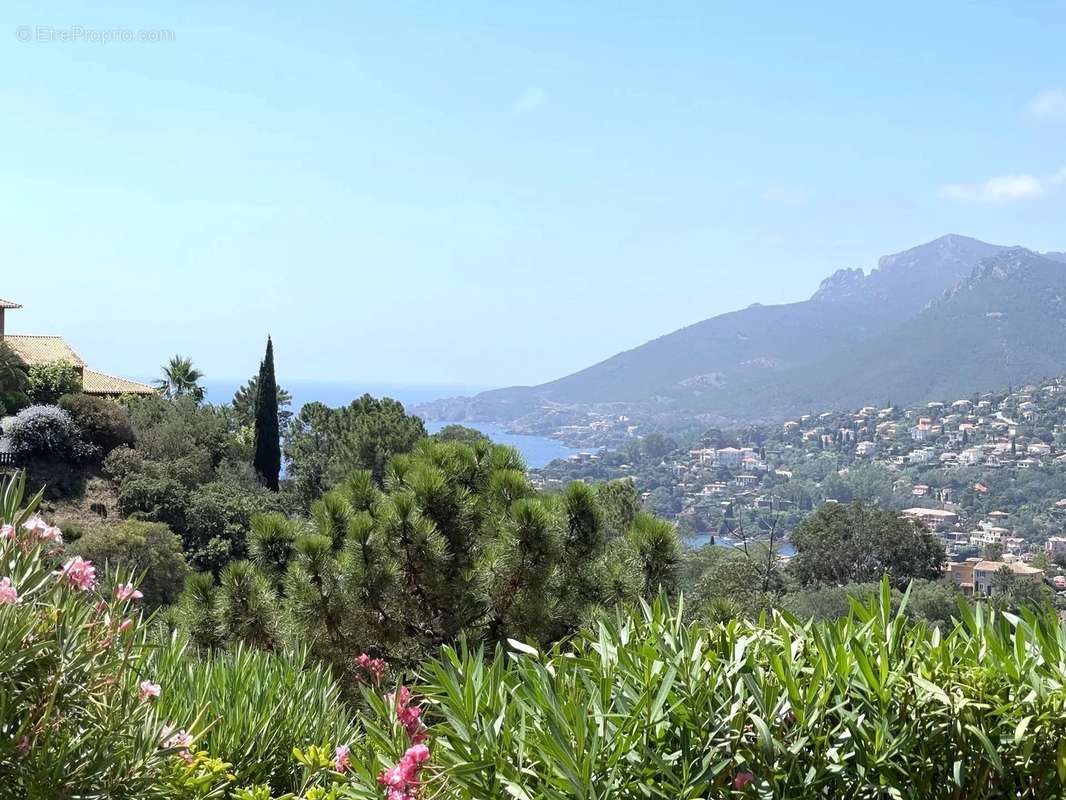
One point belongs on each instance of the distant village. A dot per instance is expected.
(986, 473)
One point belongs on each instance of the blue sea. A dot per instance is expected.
(536, 450)
(698, 540)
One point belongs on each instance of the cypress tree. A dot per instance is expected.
(267, 460)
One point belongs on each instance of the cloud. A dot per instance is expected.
(785, 195)
(1050, 104)
(532, 97)
(1002, 189)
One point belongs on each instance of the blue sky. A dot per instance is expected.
(496, 193)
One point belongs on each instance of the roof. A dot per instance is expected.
(43, 349)
(1013, 566)
(94, 382)
(8, 304)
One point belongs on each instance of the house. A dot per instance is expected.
(1055, 546)
(46, 349)
(865, 449)
(984, 574)
(1039, 449)
(934, 518)
(961, 574)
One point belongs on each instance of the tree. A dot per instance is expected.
(324, 445)
(460, 433)
(245, 401)
(993, 551)
(859, 543)
(13, 372)
(181, 379)
(267, 459)
(454, 543)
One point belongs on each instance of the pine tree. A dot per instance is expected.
(267, 459)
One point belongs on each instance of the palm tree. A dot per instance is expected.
(12, 370)
(181, 378)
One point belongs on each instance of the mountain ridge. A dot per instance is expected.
(749, 365)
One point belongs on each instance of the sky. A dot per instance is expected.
(495, 193)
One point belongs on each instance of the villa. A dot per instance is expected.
(46, 349)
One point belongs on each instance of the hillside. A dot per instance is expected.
(707, 366)
(1004, 324)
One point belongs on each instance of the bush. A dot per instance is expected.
(218, 519)
(71, 721)
(259, 707)
(14, 402)
(121, 463)
(154, 499)
(150, 549)
(47, 433)
(48, 382)
(646, 706)
(103, 422)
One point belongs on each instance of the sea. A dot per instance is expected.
(536, 450)
(702, 538)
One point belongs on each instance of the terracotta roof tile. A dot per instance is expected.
(8, 304)
(43, 349)
(94, 382)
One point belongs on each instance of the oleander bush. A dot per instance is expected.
(255, 707)
(73, 721)
(646, 706)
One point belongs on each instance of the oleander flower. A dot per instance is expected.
(127, 592)
(79, 573)
(340, 758)
(148, 689)
(8, 593)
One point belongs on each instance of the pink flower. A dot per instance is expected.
(340, 758)
(42, 530)
(148, 689)
(79, 573)
(742, 779)
(375, 666)
(417, 754)
(127, 592)
(125, 625)
(180, 739)
(402, 781)
(7, 532)
(8, 594)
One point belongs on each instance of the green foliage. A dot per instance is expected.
(104, 423)
(148, 549)
(267, 459)
(48, 382)
(245, 399)
(460, 433)
(14, 375)
(324, 445)
(173, 429)
(646, 706)
(456, 544)
(859, 543)
(181, 379)
(71, 722)
(256, 708)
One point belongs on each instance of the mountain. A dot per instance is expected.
(1004, 324)
(945, 318)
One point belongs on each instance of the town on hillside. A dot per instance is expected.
(986, 473)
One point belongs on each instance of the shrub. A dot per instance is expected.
(259, 707)
(103, 422)
(14, 402)
(47, 433)
(219, 517)
(48, 382)
(72, 723)
(121, 463)
(150, 549)
(154, 499)
(867, 706)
